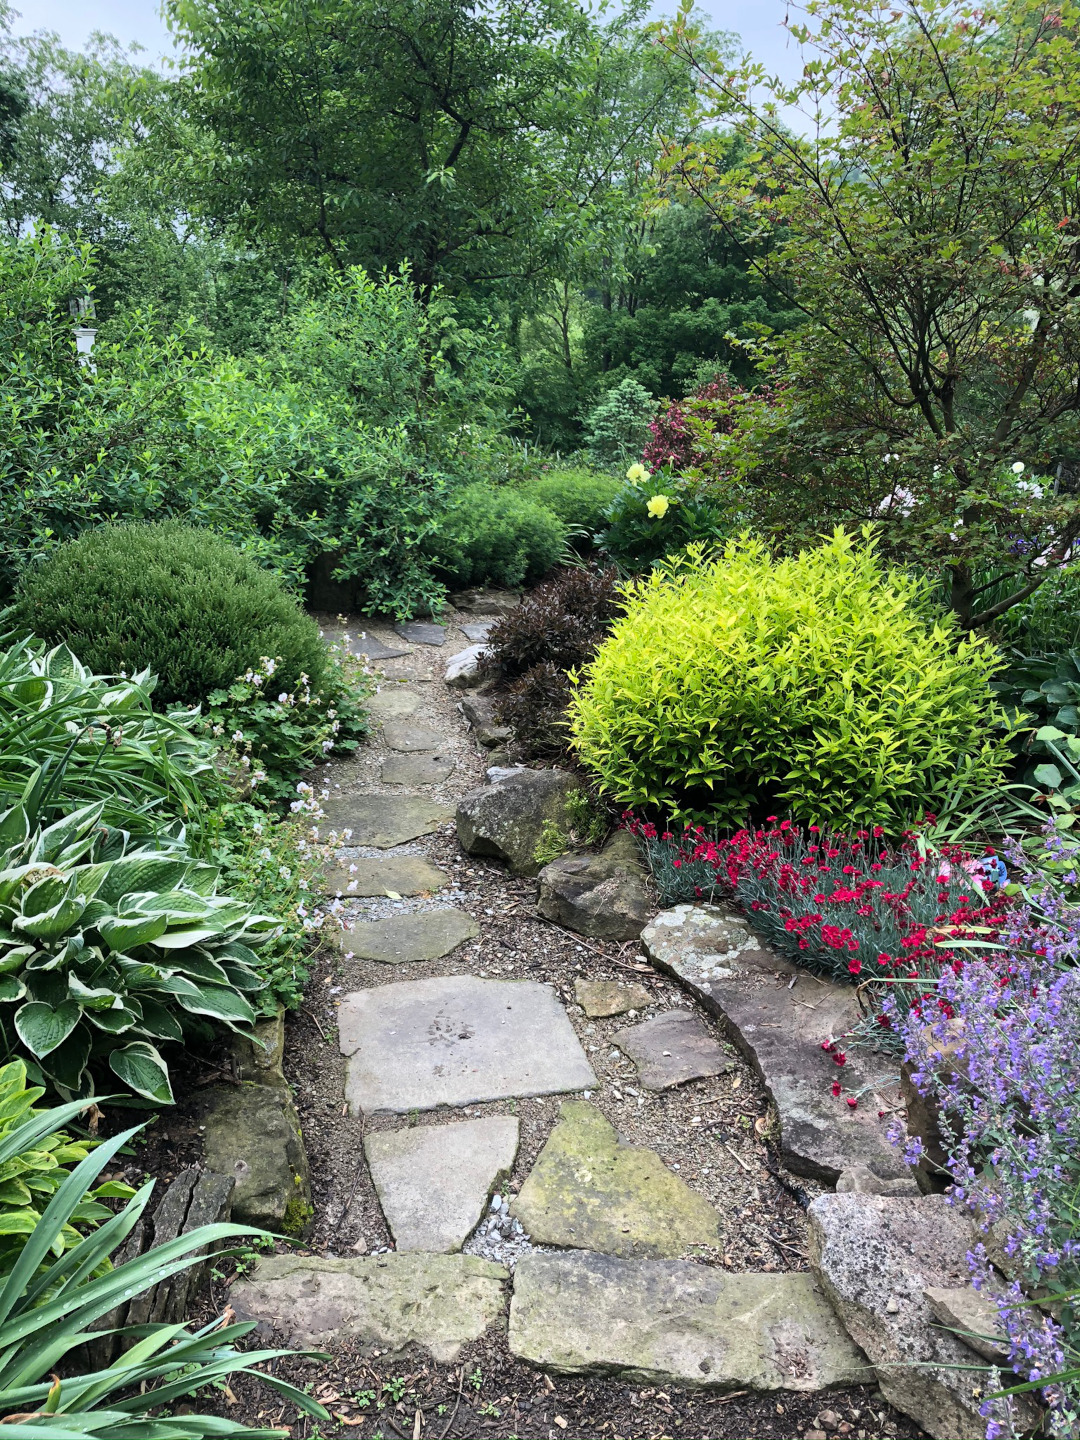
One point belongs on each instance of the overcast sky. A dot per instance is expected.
(759, 22)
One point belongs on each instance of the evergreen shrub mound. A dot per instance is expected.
(821, 686)
(179, 601)
(580, 498)
(495, 535)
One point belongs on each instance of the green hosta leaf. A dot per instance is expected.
(92, 997)
(60, 835)
(182, 939)
(202, 879)
(16, 957)
(113, 1022)
(1049, 732)
(14, 827)
(18, 1222)
(197, 964)
(148, 873)
(140, 1066)
(235, 951)
(14, 1192)
(52, 923)
(160, 1021)
(241, 978)
(218, 1002)
(45, 894)
(67, 1062)
(42, 1028)
(11, 988)
(177, 905)
(121, 934)
(46, 986)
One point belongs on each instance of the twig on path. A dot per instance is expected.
(736, 1156)
(727, 1399)
(457, 1402)
(315, 1020)
(580, 940)
(783, 1245)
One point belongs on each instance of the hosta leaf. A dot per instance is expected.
(160, 1021)
(92, 997)
(46, 985)
(1048, 775)
(14, 1192)
(181, 939)
(121, 934)
(15, 958)
(202, 879)
(19, 1222)
(141, 1067)
(55, 922)
(241, 978)
(177, 905)
(67, 1062)
(42, 1028)
(198, 964)
(218, 1002)
(148, 873)
(113, 1022)
(11, 988)
(235, 951)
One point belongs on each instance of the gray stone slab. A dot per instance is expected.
(402, 874)
(876, 1257)
(463, 669)
(972, 1317)
(408, 939)
(453, 1040)
(674, 1322)
(485, 602)
(434, 1181)
(373, 649)
(393, 702)
(383, 820)
(589, 1191)
(778, 1016)
(421, 768)
(421, 634)
(478, 630)
(603, 896)
(506, 819)
(252, 1132)
(600, 998)
(403, 735)
(671, 1049)
(439, 1302)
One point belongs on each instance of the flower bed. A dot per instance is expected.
(850, 906)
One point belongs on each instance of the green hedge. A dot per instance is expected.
(495, 534)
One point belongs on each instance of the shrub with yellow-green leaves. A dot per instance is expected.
(821, 686)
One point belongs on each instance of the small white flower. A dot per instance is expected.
(238, 737)
(1018, 467)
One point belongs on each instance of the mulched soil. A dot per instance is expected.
(716, 1134)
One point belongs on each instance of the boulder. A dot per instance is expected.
(259, 1056)
(463, 669)
(876, 1257)
(252, 1133)
(779, 1017)
(506, 819)
(864, 1180)
(485, 602)
(439, 1302)
(673, 1322)
(973, 1318)
(602, 896)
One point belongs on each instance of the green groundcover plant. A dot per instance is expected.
(495, 534)
(59, 1283)
(819, 684)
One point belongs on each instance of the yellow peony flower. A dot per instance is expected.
(637, 474)
(658, 507)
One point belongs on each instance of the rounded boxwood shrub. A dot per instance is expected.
(495, 535)
(819, 686)
(182, 602)
(579, 498)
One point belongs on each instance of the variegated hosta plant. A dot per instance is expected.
(106, 950)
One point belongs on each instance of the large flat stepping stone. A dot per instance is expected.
(401, 735)
(590, 1191)
(420, 633)
(455, 1040)
(674, 1322)
(439, 1302)
(600, 998)
(778, 1017)
(434, 1181)
(478, 630)
(876, 1258)
(384, 820)
(393, 702)
(671, 1049)
(408, 939)
(401, 874)
(367, 646)
(423, 768)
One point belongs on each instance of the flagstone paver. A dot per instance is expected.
(383, 820)
(375, 649)
(420, 633)
(478, 630)
(671, 1049)
(779, 1016)
(664, 1321)
(600, 998)
(393, 702)
(408, 939)
(403, 874)
(589, 1191)
(453, 1040)
(439, 1302)
(402, 735)
(434, 1181)
(421, 768)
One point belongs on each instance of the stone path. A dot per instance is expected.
(533, 1119)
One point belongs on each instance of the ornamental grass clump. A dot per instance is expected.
(821, 685)
(886, 918)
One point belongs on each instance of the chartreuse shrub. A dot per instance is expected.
(491, 534)
(821, 685)
(57, 1283)
(578, 497)
(169, 598)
